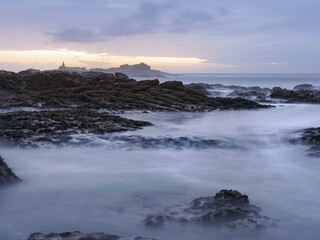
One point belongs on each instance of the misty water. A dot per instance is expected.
(112, 189)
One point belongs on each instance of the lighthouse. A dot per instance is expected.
(62, 66)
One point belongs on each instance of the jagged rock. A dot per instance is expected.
(6, 174)
(55, 127)
(228, 208)
(81, 236)
(60, 89)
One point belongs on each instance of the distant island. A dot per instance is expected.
(136, 70)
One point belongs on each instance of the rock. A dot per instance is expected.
(311, 137)
(28, 72)
(121, 76)
(198, 88)
(6, 174)
(61, 89)
(299, 95)
(55, 127)
(167, 142)
(81, 236)
(304, 87)
(228, 208)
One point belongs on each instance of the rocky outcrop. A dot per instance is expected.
(228, 208)
(82, 236)
(300, 94)
(58, 89)
(256, 93)
(55, 127)
(311, 137)
(6, 174)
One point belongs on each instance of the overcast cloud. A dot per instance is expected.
(247, 34)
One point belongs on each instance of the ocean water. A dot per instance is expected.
(113, 189)
(284, 80)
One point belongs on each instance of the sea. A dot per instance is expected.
(111, 186)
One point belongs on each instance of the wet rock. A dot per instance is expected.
(299, 95)
(228, 208)
(199, 88)
(6, 174)
(311, 137)
(81, 236)
(59, 89)
(55, 127)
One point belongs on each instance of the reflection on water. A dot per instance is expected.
(112, 190)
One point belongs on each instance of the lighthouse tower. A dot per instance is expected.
(62, 66)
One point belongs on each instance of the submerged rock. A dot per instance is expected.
(6, 174)
(177, 143)
(228, 208)
(81, 236)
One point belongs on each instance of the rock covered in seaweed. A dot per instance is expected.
(76, 235)
(6, 174)
(228, 208)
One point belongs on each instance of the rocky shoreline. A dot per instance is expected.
(82, 95)
(94, 90)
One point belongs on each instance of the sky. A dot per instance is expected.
(213, 36)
